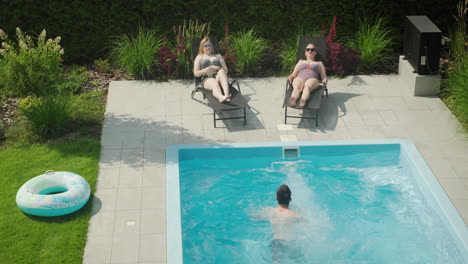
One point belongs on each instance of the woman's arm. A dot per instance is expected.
(323, 74)
(223, 64)
(295, 71)
(196, 67)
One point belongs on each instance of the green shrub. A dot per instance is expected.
(455, 90)
(49, 115)
(248, 49)
(72, 80)
(90, 108)
(102, 66)
(29, 68)
(374, 39)
(136, 54)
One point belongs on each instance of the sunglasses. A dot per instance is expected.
(207, 45)
(310, 49)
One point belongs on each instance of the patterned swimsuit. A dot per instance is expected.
(207, 63)
(307, 71)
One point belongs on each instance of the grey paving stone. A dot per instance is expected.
(154, 176)
(153, 221)
(102, 223)
(131, 177)
(98, 250)
(110, 158)
(125, 248)
(108, 178)
(127, 221)
(152, 247)
(153, 198)
(129, 199)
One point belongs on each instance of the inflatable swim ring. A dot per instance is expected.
(53, 194)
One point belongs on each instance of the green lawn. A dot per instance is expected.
(32, 239)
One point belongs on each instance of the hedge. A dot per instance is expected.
(87, 26)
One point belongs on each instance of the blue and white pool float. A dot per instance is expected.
(53, 194)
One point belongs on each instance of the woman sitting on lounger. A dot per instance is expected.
(213, 70)
(305, 76)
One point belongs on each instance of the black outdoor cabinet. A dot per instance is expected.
(421, 44)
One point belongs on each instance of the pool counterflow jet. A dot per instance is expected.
(291, 152)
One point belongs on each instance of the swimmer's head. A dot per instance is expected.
(283, 195)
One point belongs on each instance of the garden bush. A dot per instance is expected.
(72, 80)
(86, 26)
(29, 68)
(101, 65)
(136, 54)
(455, 91)
(248, 49)
(375, 39)
(49, 115)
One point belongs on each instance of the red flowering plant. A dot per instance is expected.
(341, 60)
(167, 60)
(226, 51)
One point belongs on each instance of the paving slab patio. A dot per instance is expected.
(128, 223)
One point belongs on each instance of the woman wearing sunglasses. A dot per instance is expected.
(213, 70)
(306, 75)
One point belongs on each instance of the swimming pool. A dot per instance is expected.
(363, 201)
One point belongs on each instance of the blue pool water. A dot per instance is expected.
(360, 204)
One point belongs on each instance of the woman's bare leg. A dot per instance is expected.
(309, 86)
(211, 84)
(222, 78)
(298, 86)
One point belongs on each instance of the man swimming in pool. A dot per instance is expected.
(284, 225)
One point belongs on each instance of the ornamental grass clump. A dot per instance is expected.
(458, 33)
(48, 115)
(28, 67)
(248, 49)
(375, 40)
(184, 34)
(136, 54)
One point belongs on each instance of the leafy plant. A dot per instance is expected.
(455, 91)
(49, 115)
(136, 54)
(29, 68)
(167, 61)
(101, 65)
(72, 80)
(374, 39)
(248, 49)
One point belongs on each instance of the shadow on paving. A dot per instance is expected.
(237, 124)
(136, 142)
(332, 108)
